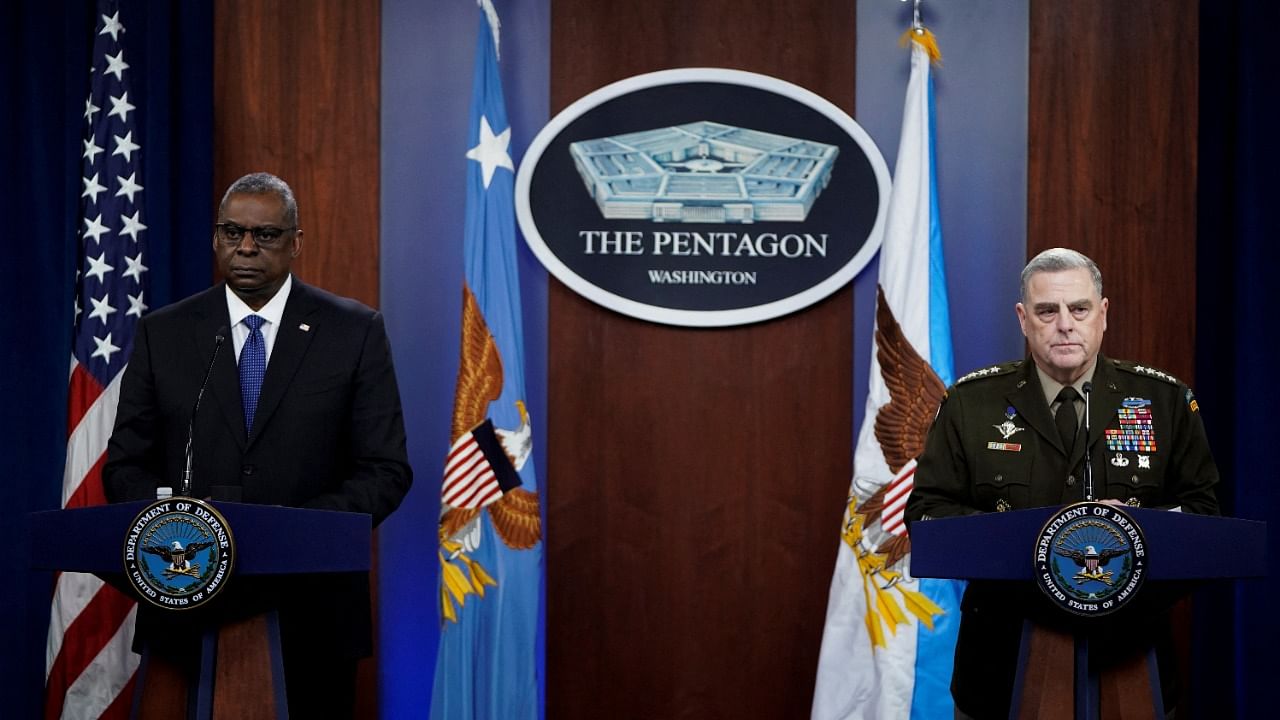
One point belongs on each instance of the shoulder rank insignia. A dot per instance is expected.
(1148, 371)
(989, 372)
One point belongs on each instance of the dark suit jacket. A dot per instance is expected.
(960, 472)
(328, 432)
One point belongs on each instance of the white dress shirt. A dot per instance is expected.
(271, 313)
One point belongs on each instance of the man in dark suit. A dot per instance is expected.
(301, 409)
(996, 445)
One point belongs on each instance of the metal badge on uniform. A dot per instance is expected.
(1144, 462)
(1120, 460)
(1008, 447)
(1191, 401)
(1007, 429)
(304, 327)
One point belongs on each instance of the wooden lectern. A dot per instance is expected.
(239, 671)
(1054, 677)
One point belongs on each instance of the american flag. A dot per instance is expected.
(88, 662)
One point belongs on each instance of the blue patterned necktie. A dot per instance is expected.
(253, 366)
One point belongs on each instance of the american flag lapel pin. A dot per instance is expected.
(304, 327)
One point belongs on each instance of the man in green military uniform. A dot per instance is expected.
(1012, 436)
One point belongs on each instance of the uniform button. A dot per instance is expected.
(248, 469)
(1071, 480)
(999, 478)
(1134, 479)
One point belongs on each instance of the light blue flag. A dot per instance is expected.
(889, 638)
(490, 529)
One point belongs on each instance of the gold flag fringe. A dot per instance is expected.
(924, 39)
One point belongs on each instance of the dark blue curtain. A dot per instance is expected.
(1237, 342)
(45, 47)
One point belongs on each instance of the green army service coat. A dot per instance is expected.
(994, 446)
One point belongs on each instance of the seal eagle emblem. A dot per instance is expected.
(178, 553)
(1091, 559)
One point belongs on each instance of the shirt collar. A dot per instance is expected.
(1052, 387)
(272, 312)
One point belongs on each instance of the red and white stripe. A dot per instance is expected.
(89, 664)
(469, 480)
(895, 500)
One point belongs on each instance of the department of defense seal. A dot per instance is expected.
(178, 553)
(1091, 559)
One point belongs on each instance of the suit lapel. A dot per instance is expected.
(1027, 398)
(224, 380)
(286, 355)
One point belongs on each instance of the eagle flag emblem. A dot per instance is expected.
(481, 472)
(876, 530)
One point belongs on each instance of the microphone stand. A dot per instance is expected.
(218, 339)
(1088, 461)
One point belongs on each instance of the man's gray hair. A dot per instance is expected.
(1058, 260)
(261, 183)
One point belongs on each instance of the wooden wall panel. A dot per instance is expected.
(1112, 162)
(696, 477)
(1112, 152)
(296, 93)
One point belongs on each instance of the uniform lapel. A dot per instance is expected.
(1027, 397)
(224, 381)
(286, 355)
(1103, 400)
(1107, 396)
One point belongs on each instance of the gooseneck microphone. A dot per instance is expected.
(218, 338)
(1088, 460)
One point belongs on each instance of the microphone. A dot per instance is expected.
(218, 338)
(1088, 460)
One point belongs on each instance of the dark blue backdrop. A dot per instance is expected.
(1236, 342)
(46, 47)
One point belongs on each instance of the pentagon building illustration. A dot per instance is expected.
(704, 172)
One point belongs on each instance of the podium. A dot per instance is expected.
(1054, 677)
(239, 670)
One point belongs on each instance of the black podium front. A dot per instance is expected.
(240, 673)
(1181, 549)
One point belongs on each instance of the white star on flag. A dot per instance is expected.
(101, 309)
(91, 151)
(112, 25)
(128, 186)
(116, 65)
(132, 225)
(98, 267)
(105, 348)
(136, 306)
(125, 146)
(120, 106)
(491, 152)
(92, 188)
(94, 228)
(135, 269)
(90, 110)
